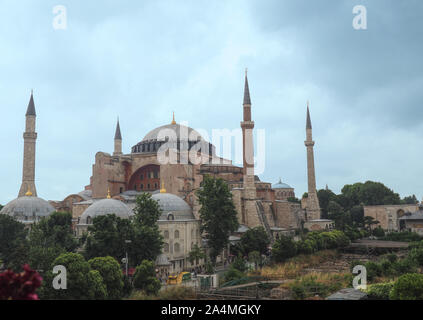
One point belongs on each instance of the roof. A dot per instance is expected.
(308, 125)
(173, 206)
(162, 260)
(178, 131)
(105, 207)
(281, 185)
(247, 99)
(28, 208)
(418, 215)
(118, 135)
(31, 107)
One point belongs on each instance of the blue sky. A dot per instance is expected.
(141, 60)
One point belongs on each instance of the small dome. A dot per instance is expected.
(162, 260)
(173, 207)
(105, 207)
(28, 209)
(180, 132)
(281, 185)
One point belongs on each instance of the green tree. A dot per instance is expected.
(54, 231)
(283, 249)
(217, 213)
(13, 244)
(147, 242)
(82, 282)
(112, 275)
(145, 278)
(255, 239)
(337, 214)
(408, 287)
(196, 254)
(407, 200)
(325, 196)
(239, 264)
(107, 237)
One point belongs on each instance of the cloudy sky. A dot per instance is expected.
(141, 60)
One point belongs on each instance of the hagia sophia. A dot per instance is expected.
(119, 177)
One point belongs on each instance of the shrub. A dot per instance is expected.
(408, 287)
(379, 291)
(239, 264)
(405, 236)
(416, 255)
(405, 266)
(177, 293)
(233, 274)
(373, 270)
(392, 257)
(378, 232)
(144, 278)
(283, 248)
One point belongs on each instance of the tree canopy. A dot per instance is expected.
(217, 213)
(255, 239)
(13, 244)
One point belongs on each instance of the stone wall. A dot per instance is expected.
(388, 215)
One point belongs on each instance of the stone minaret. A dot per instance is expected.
(30, 137)
(249, 215)
(118, 141)
(248, 145)
(313, 208)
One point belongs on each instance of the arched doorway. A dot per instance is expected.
(146, 178)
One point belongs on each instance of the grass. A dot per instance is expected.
(170, 293)
(318, 284)
(294, 266)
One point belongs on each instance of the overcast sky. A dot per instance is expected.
(141, 60)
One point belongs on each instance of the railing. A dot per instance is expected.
(263, 219)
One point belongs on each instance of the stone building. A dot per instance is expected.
(163, 157)
(389, 215)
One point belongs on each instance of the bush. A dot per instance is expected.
(239, 264)
(283, 249)
(405, 236)
(392, 257)
(378, 232)
(233, 274)
(416, 255)
(373, 270)
(403, 266)
(145, 279)
(379, 291)
(408, 287)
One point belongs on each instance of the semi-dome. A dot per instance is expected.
(173, 207)
(105, 207)
(281, 185)
(28, 209)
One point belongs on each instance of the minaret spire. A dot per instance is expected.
(118, 140)
(313, 207)
(249, 216)
(30, 138)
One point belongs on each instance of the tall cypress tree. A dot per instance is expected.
(217, 213)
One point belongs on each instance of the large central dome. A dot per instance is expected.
(171, 131)
(184, 138)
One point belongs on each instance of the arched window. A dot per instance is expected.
(177, 247)
(166, 234)
(166, 248)
(176, 234)
(88, 220)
